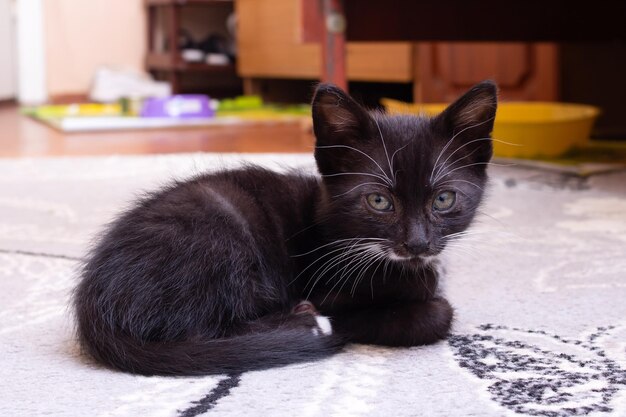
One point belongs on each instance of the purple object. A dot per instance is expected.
(182, 106)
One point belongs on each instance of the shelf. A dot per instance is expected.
(163, 62)
(185, 2)
(167, 15)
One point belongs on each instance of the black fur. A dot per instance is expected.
(203, 276)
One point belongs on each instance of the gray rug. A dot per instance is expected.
(539, 290)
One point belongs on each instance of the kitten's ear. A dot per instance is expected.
(337, 118)
(476, 109)
(471, 118)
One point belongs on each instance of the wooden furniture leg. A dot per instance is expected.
(334, 44)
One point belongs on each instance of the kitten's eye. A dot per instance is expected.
(379, 202)
(444, 201)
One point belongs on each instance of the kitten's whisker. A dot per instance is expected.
(450, 142)
(301, 231)
(460, 234)
(394, 155)
(465, 251)
(344, 273)
(481, 231)
(474, 164)
(466, 257)
(506, 143)
(468, 244)
(354, 188)
(481, 212)
(465, 181)
(444, 167)
(475, 240)
(313, 224)
(500, 222)
(422, 276)
(361, 276)
(385, 148)
(362, 271)
(367, 251)
(343, 247)
(316, 276)
(458, 149)
(342, 264)
(471, 243)
(383, 257)
(353, 256)
(345, 250)
(348, 259)
(334, 242)
(360, 173)
(345, 277)
(387, 262)
(371, 247)
(349, 273)
(493, 235)
(361, 152)
(462, 192)
(331, 259)
(452, 235)
(349, 252)
(504, 225)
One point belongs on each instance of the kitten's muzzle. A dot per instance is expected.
(414, 247)
(407, 251)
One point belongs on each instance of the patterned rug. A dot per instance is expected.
(539, 290)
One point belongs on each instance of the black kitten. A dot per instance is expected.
(210, 275)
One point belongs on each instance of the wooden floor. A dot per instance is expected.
(21, 136)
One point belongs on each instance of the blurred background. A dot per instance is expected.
(161, 76)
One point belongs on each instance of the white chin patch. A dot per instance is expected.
(395, 257)
(425, 259)
(323, 326)
(428, 259)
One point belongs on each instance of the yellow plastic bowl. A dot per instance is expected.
(533, 129)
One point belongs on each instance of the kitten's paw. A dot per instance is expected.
(322, 323)
(304, 307)
(323, 326)
(437, 316)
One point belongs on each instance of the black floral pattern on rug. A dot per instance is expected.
(221, 390)
(547, 376)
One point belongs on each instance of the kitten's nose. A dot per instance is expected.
(417, 246)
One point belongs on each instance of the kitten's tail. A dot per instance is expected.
(253, 351)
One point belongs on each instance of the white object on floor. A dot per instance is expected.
(92, 124)
(99, 123)
(111, 84)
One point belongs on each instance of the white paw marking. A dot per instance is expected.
(323, 323)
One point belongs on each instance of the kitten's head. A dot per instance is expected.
(403, 185)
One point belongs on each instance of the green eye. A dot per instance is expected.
(379, 202)
(444, 201)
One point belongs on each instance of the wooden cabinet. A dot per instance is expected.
(278, 39)
(524, 71)
(272, 44)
